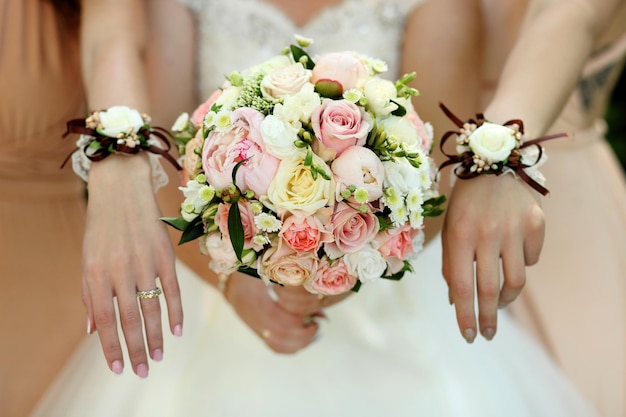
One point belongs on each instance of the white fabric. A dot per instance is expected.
(393, 349)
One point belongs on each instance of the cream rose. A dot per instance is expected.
(401, 175)
(360, 167)
(402, 129)
(492, 142)
(293, 188)
(283, 265)
(279, 137)
(284, 81)
(379, 93)
(119, 119)
(367, 264)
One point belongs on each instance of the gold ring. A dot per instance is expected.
(153, 293)
(265, 334)
(321, 298)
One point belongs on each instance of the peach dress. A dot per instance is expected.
(575, 297)
(41, 206)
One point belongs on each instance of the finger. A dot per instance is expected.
(91, 326)
(461, 277)
(171, 290)
(488, 288)
(105, 322)
(132, 326)
(297, 300)
(513, 265)
(286, 333)
(534, 235)
(445, 258)
(151, 312)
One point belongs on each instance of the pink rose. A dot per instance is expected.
(192, 158)
(283, 265)
(395, 245)
(339, 124)
(360, 167)
(330, 279)
(197, 118)
(247, 221)
(305, 234)
(352, 230)
(345, 68)
(223, 149)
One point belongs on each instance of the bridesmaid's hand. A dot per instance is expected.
(489, 218)
(125, 249)
(281, 330)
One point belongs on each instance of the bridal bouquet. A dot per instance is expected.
(308, 172)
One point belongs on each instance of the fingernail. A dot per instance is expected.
(142, 370)
(489, 333)
(157, 355)
(117, 367)
(320, 315)
(88, 325)
(450, 297)
(178, 330)
(469, 335)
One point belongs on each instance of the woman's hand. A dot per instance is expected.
(282, 330)
(489, 218)
(298, 300)
(126, 248)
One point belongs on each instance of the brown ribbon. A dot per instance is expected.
(110, 145)
(465, 160)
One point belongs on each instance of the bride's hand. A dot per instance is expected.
(126, 247)
(489, 218)
(281, 330)
(297, 300)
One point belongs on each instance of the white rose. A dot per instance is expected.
(181, 122)
(284, 81)
(278, 136)
(367, 264)
(402, 129)
(293, 188)
(120, 119)
(379, 93)
(298, 107)
(401, 175)
(492, 142)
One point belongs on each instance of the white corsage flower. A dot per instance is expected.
(493, 143)
(119, 120)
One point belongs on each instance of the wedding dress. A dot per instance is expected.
(393, 349)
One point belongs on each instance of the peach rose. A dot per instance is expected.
(223, 258)
(352, 230)
(339, 124)
(345, 68)
(283, 265)
(192, 158)
(330, 279)
(305, 234)
(395, 245)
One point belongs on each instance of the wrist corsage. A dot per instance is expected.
(118, 130)
(483, 147)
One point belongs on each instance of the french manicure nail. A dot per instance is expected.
(142, 370)
(178, 330)
(157, 355)
(489, 333)
(469, 335)
(117, 367)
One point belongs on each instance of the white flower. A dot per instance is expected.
(181, 122)
(392, 198)
(402, 129)
(414, 200)
(228, 98)
(401, 175)
(267, 222)
(298, 107)
(353, 95)
(284, 81)
(416, 220)
(194, 193)
(279, 136)
(492, 142)
(120, 119)
(399, 216)
(303, 41)
(379, 93)
(260, 240)
(367, 264)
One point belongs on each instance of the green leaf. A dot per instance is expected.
(177, 223)
(400, 111)
(235, 229)
(357, 286)
(194, 230)
(249, 271)
(398, 275)
(329, 89)
(298, 53)
(236, 168)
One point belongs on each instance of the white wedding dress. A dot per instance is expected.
(393, 349)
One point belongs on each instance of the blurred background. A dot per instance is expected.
(616, 117)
